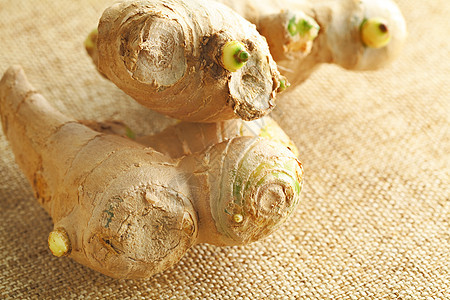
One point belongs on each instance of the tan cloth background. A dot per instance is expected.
(374, 221)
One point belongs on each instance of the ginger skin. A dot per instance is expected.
(339, 40)
(129, 211)
(172, 57)
(185, 138)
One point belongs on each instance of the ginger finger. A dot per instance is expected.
(177, 58)
(98, 188)
(341, 39)
(254, 185)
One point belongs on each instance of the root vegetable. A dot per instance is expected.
(129, 211)
(341, 40)
(193, 60)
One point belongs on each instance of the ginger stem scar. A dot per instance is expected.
(242, 56)
(238, 218)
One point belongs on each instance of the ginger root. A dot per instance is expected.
(129, 211)
(302, 34)
(342, 39)
(192, 60)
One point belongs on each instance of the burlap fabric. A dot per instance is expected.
(374, 221)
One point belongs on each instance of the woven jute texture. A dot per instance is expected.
(375, 212)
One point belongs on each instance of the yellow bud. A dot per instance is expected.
(90, 43)
(58, 242)
(375, 33)
(234, 56)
